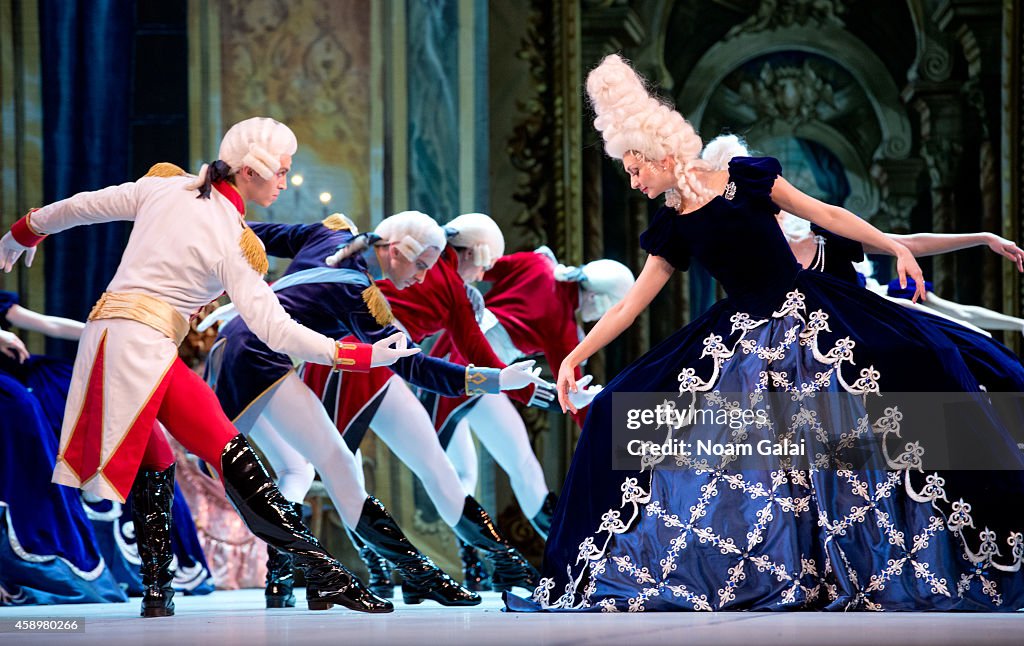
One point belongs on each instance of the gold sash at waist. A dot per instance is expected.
(142, 308)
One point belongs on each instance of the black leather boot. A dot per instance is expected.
(281, 574)
(270, 516)
(421, 579)
(510, 568)
(378, 568)
(474, 575)
(152, 497)
(542, 521)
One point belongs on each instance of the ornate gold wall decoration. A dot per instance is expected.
(307, 64)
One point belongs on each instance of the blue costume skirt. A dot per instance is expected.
(48, 552)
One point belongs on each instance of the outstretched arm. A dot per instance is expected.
(655, 274)
(55, 326)
(930, 244)
(840, 221)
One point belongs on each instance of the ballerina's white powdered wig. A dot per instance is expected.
(480, 233)
(257, 143)
(632, 121)
(412, 233)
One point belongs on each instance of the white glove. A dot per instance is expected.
(519, 375)
(583, 397)
(10, 250)
(383, 354)
(544, 397)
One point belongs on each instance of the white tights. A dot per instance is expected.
(498, 426)
(293, 427)
(295, 419)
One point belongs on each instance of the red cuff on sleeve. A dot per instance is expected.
(352, 357)
(24, 234)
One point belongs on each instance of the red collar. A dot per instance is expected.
(228, 190)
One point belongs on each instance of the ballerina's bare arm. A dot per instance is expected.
(655, 274)
(840, 221)
(930, 244)
(53, 326)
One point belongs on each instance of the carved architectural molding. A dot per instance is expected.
(898, 183)
(836, 45)
(546, 145)
(772, 15)
(792, 94)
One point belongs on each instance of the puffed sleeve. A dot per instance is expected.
(660, 239)
(262, 312)
(283, 240)
(754, 178)
(843, 248)
(429, 373)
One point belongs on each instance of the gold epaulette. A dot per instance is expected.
(378, 305)
(254, 252)
(338, 222)
(165, 169)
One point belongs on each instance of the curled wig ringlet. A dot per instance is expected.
(257, 143)
(631, 120)
(480, 233)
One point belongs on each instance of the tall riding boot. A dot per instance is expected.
(542, 521)
(474, 575)
(378, 568)
(510, 568)
(152, 497)
(281, 574)
(421, 579)
(270, 516)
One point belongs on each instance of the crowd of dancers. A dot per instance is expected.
(306, 366)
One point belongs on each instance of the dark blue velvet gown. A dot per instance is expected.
(828, 536)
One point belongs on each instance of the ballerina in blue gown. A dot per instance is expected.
(825, 536)
(56, 547)
(48, 551)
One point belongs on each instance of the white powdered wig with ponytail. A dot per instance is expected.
(257, 143)
(411, 232)
(631, 120)
(720, 151)
(480, 233)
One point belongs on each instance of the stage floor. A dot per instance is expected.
(237, 617)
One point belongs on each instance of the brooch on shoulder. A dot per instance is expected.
(730, 191)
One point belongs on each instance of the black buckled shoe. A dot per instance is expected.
(152, 497)
(542, 521)
(421, 578)
(271, 517)
(510, 568)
